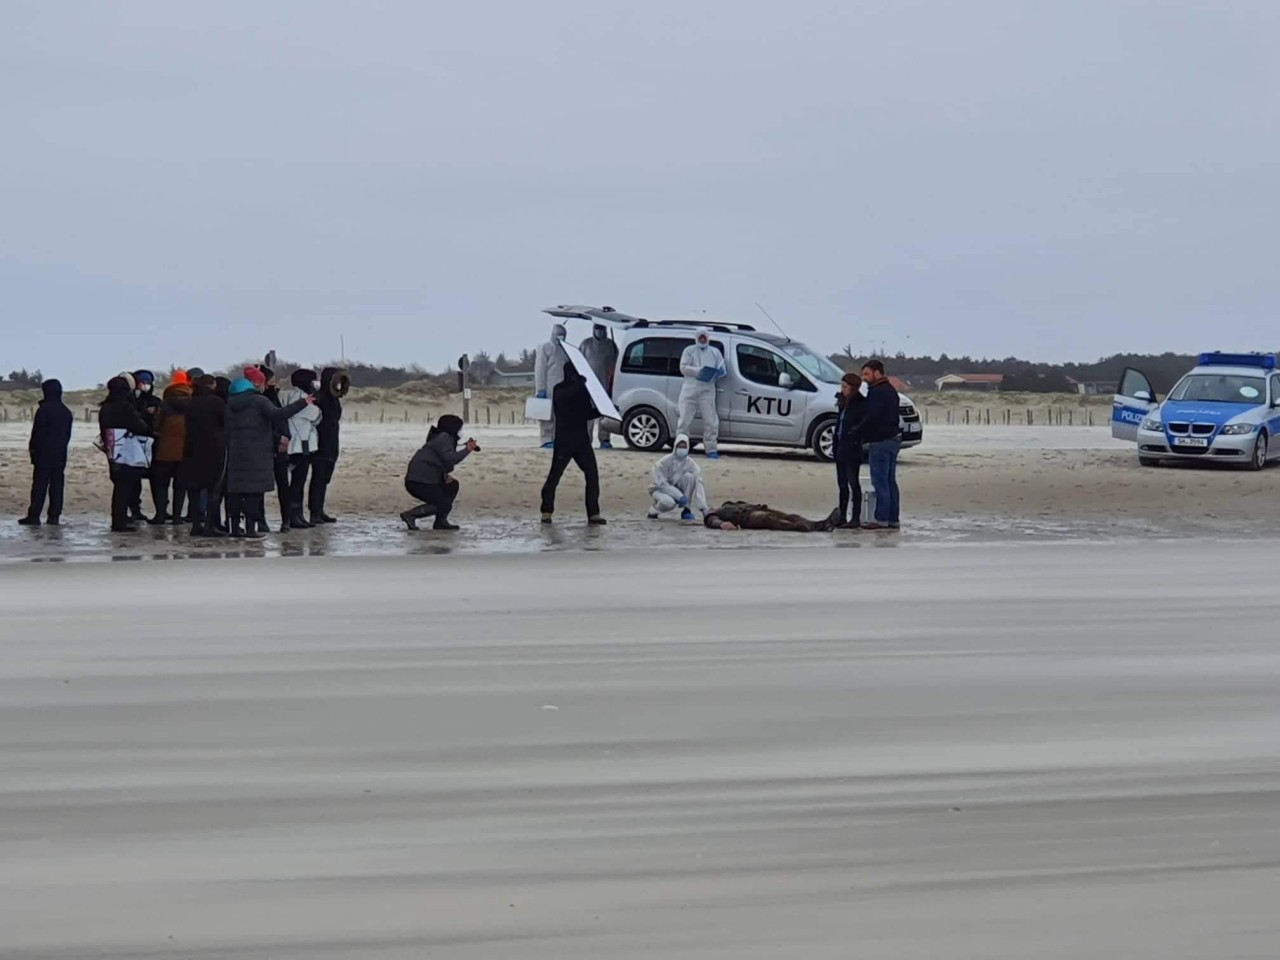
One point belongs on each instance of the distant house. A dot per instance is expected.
(520, 379)
(902, 386)
(969, 381)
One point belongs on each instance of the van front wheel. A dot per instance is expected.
(645, 429)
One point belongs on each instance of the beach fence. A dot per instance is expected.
(1010, 416)
(486, 416)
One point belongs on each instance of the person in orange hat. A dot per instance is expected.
(170, 445)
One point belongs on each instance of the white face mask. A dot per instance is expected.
(315, 385)
(682, 452)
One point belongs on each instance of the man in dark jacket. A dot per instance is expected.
(50, 434)
(204, 455)
(334, 382)
(573, 409)
(847, 448)
(253, 426)
(739, 515)
(428, 477)
(881, 431)
(119, 412)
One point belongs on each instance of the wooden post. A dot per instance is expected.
(488, 416)
(382, 415)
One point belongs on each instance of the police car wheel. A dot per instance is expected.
(645, 429)
(1259, 459)
(824, 441)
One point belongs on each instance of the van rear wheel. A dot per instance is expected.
(823, 440)
(645, 429)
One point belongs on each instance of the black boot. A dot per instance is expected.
(237, 530)
(297, 521)
(30, 520)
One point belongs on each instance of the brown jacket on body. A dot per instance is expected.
(171, 423)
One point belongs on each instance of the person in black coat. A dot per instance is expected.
(119, 411)
(574, 410)
(253, 426)
(881, 431)
(50, 434)
(429, 476)
(204, 455)
(334, 382)
(272, 392)
(847, 448)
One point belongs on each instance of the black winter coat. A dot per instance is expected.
(205, 450)
(253, 424)
(282, 431)
(848, 436)
(51, 428)
(329, 428)
(571, 403)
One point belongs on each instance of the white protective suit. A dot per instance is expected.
(675, 477)
(602, 356)
(697, 396)
(548, 371)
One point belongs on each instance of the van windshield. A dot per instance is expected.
(811, 363)
(1221, 388)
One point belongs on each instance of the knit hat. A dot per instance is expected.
(240, 386)
(180, 378)
(127, 377)
(195, 373)
(255, 377)
(303, 379)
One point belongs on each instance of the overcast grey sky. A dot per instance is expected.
(197, 182)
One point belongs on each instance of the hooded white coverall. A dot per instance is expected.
(602, 356)
(676, 477)
(698, 396)
(548, 370)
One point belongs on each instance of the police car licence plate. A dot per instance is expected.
(1189, 442)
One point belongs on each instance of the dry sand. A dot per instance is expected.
(977, 753)
(1065, 474)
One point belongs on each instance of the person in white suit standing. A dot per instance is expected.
(548, 371)
(702, 365)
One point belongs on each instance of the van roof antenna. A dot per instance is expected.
(771, 320)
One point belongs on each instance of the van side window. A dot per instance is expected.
(658, 356)
(764, 367)
(653, 356)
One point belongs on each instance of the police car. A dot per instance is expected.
(1225, 410)
(777, 392)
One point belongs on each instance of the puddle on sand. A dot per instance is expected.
(86, 539)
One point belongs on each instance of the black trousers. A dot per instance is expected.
(281, 467)
(321, 473)
(48, 479)
(437, 499)
(585, 458)
(251, 506)
(126, 491)
(163, 473)
(850, 488)
(299, 466)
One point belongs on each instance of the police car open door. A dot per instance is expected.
(1133, 402)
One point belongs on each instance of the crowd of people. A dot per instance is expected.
(211, 448)
(218, 446)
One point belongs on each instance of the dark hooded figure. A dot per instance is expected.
(281, 465)
(333, 387)
(574, 410)
(428, 477)
(119, 412)
(144, 394)
(50, 434)
(846, 448)
(253, 426)
(204, 455)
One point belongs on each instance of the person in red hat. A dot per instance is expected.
(256, 377)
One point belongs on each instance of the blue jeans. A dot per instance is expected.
(883, 460)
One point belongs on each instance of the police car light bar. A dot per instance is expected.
(1267, 361)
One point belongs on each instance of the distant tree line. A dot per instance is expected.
(1027, 376)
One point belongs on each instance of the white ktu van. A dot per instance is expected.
(778, 392)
